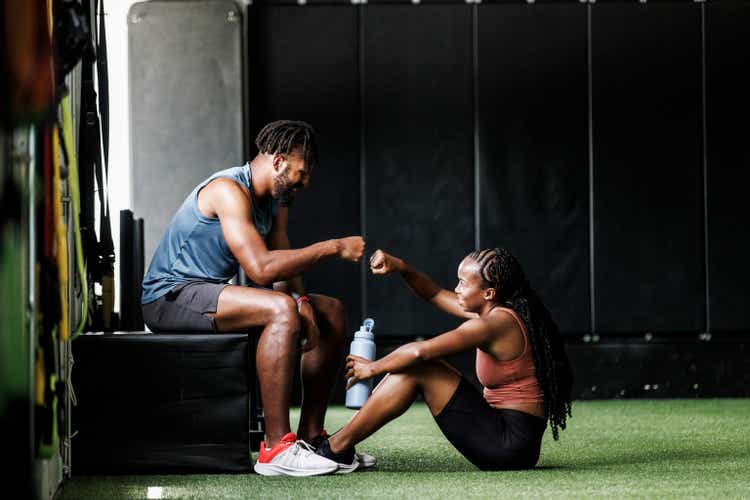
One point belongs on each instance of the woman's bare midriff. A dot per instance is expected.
(536, 409)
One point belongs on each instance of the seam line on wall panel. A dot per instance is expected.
(704, 138)
(475, 81)
(362, 159)
(592, 268)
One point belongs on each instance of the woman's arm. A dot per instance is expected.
(421, 284)
(471, 334)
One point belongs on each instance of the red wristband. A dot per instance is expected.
(302, 298)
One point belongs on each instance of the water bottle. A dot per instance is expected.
(363, 345)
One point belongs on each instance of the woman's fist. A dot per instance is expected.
(384, 263)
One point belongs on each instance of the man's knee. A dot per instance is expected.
(337, 318)
(331, 316)
(284, 314)
(332, 310)
(337, 309)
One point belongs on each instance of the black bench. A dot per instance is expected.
(164, 403)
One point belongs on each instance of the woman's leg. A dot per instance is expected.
(435, 380)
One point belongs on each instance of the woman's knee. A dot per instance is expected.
(424, 376)
(437, 381)
(412, 375)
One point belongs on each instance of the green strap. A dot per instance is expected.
(75, 192)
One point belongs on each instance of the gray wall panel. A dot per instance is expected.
(186, 117)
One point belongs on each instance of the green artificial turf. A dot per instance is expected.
(611, 449)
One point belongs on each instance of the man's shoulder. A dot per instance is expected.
(223, 195)
(225, 186)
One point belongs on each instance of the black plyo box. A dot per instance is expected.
(160, 403)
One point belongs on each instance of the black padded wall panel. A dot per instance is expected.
(727, 109)
(418, 104)
(416, 116)
(303, 72)
(533, 124)
(648, 180)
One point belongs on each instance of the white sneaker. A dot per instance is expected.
(365, 461)
(347, 468)
(292, 457)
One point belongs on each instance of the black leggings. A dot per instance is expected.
(489, 438)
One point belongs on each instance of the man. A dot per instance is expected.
(238, 218)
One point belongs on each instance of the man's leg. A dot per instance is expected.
(320, 366)
(241, 308)
(436, 381)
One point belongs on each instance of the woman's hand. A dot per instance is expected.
(384, 263)
(357, 369)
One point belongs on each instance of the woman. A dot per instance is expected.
(520, 361)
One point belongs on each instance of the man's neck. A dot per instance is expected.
(261, 176)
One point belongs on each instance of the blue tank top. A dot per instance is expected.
(193, 247)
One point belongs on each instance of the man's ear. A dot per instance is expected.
(489, 294)
(278, 162)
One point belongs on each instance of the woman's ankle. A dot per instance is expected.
(337, 443)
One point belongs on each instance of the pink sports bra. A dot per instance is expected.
(512, 381)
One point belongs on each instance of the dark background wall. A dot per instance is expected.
(649, 250)
(602, 143)
(323, 63)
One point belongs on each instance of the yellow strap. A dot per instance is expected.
(75, 195)
(39, 377)
(61, 233)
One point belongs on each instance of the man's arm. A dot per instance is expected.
(279, 240)
(233, 207)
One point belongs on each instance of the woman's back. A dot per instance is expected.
(506, 368)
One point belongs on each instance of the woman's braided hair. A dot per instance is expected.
(285, 137)
(500, 270)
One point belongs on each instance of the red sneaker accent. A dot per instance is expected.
(266, 456)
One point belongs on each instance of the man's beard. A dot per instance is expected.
(283, 191)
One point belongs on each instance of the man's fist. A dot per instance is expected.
(384, 263)
(351, 248)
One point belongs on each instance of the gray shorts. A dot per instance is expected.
(187, 307)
